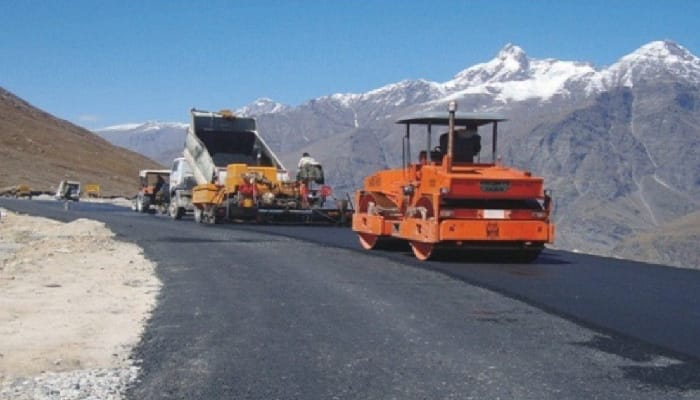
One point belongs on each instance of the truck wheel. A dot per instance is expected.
(145, 204)
(174, 211)
(209, 216)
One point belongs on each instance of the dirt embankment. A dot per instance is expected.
(73, 299)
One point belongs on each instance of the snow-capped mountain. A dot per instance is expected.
(159, 141)
(513, 76)
(618, 144)
(261, 106)
(660, 59)
(510, 82)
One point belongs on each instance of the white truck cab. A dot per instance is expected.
(68, 190)
(181, 184)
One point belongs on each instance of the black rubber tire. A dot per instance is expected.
(173, 211)
(145, 203)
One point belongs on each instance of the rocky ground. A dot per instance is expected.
(74, 304)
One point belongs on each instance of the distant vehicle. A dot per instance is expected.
(180, 188)
(153, 190)
(16, 191)
(23, 191)
(93, 190)
(68, 190)
(446, 200)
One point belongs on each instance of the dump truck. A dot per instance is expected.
(449, 199)
(153, 190)
(180, 188)
(68, 190)
(239, 178)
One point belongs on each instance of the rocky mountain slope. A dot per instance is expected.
(159, 141)
(674, 243)
(618, 145)
(40, 150)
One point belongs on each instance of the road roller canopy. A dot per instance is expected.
(463, 122)
(443, 118)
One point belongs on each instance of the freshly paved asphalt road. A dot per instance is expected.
(267, 312)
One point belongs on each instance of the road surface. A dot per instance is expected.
(266, 312)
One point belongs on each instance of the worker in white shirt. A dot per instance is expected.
(306, 159)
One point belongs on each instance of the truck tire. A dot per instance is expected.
(174, 211)
(145, 204)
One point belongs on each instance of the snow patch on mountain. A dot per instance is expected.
(653, 59)
(511, 63)
(398, 94)
(344, 99)
(121, 127)
(542, 79)
(150, 126)
(262, 105)
(512, 76)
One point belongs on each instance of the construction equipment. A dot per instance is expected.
(448, 201)
(180, 188)
(240, 178)
(68, 190)
(17, 191)
(93, 190)
(153, 190)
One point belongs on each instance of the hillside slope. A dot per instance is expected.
(39, 149)
(624, 164)
(674, 244)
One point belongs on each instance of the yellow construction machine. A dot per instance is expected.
(239, 178)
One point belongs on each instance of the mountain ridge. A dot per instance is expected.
(593, 133)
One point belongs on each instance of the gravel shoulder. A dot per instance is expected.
(74, 305)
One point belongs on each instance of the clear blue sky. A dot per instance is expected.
(98, 63)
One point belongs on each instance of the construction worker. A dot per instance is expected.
(306, 159)
(423, 157)
(159, 184)
(309, 169)
(158, 192)
(467, 144)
